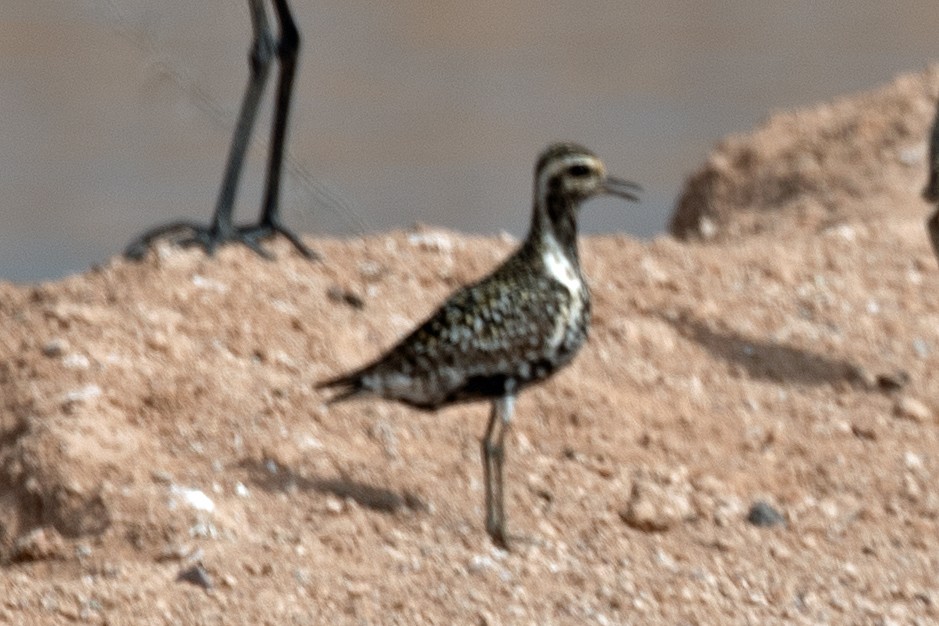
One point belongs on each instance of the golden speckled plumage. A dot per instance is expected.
(518, 325)
(486, 338)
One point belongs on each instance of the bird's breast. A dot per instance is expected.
(570, 326)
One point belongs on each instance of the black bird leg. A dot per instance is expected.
(931, 191)
(933, 226)
(287, 49)
(493, 449)
(222, 228)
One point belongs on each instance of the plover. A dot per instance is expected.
(222, 228)
(517, 326)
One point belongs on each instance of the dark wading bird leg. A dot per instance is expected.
(222, 229)
(933, 226)
(931, 191)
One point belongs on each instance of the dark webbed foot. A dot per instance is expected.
(186, 234)
(178, 233)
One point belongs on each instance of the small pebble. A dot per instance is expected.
(707, 228)
(195, 575)
(344, 296)
(161, 476)
(39, 544)
(893, 381)
(193, 498)
(913, 409)
(431, 240)
(658, 503)
(55, 347)
(763, 515)
(76, 361)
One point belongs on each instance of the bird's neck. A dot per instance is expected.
(554, 225)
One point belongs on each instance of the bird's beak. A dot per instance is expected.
(622, 188)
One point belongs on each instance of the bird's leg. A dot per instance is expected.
(259, 62)
(931, 191)
(493, 452)
(222, 228)
(933, 226)
(287, 49)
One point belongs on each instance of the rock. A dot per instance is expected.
(893, 381)
(345, 296)
(658, 502)
(195, 575)
(191, 498)
(911, 408)
(39, 544)
(764, 515)
(55, 347)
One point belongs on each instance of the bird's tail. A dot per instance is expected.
(346, 386)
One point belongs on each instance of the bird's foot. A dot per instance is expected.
(510, 541)
(251, 236)
(186, 234)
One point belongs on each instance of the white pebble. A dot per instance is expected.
(193, 498)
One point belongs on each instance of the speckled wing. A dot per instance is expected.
(509, 329)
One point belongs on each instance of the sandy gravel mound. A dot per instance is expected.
(749, 436)
(858, 157)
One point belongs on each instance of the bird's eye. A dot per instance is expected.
(578, 171)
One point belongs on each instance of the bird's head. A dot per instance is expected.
(571, 173)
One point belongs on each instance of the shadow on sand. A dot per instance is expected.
(765, 360)
(273, 477)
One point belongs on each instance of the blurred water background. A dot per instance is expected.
(115, 115)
